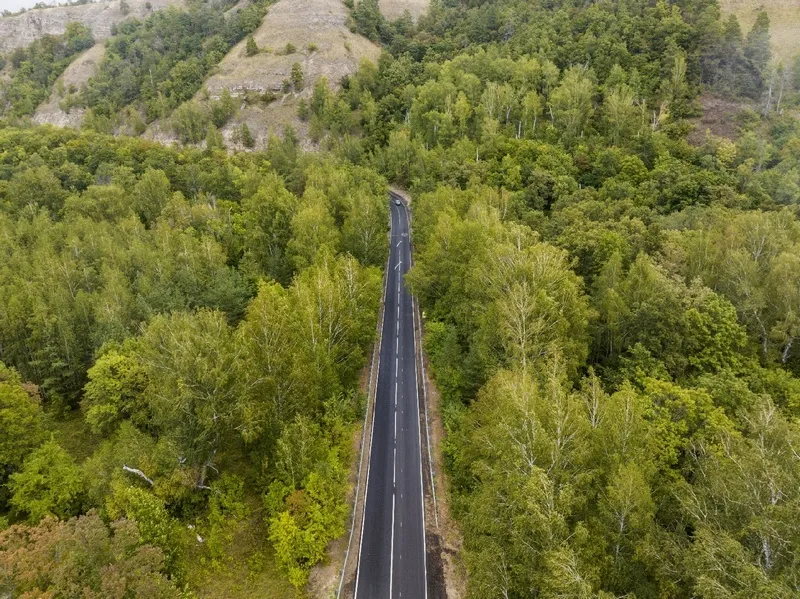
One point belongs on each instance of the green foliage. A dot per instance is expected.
(591, 485)
(757, 45)
(214, 139)
(116, 384)
(242, 135)
(312, 513)
(369, 21)
(134, 284)
(49, 483)
(100, 560)
(157, 64)
(297, 77)
(223, 109)
(225, 508)
(251, 48)
(22, 422)
(610, 304)
(190, 122)
(155, 525)
(37, 67)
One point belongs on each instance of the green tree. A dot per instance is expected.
(192, 367)
(223, 109)
(251, 48)
(314, 231)
(297, 77)
(190, 122)
(21, 419)
(49, 483)
(36, 187)
(243, 136)
(155, 525)
(364, 228)
(114, 391)
(214, 139)
(757, 46)
(571, 103)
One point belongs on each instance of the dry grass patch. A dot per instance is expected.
(784, 18)
(393, 9)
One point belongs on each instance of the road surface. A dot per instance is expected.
(392, 561)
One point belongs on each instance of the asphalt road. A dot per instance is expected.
(392, 562)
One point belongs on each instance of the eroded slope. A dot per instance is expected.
(324, 47)
(100, 17)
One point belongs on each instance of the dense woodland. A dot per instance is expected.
(611, 299)
(207, 316)
(611, 311)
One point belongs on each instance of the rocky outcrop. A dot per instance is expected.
(19, 31)
(323, 45)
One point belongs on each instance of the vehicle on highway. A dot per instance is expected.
(396, 202)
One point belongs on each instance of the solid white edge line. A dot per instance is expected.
(391, 553)
(371, 432)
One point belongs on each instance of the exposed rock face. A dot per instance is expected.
(20, 31)
(324, 47)
(318, 31)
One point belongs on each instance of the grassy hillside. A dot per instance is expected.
(784, 16)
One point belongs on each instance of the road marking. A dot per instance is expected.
(394, 487)
(391, 554)
(398, 243)
(398, 265)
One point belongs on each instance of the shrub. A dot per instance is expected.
(190, 122)
(251, 49)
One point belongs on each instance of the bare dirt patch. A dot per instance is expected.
(100, 17)
(718, 118)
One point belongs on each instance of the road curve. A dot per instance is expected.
(392, 561)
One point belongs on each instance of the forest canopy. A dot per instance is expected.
(203, 315)
(610, 284)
